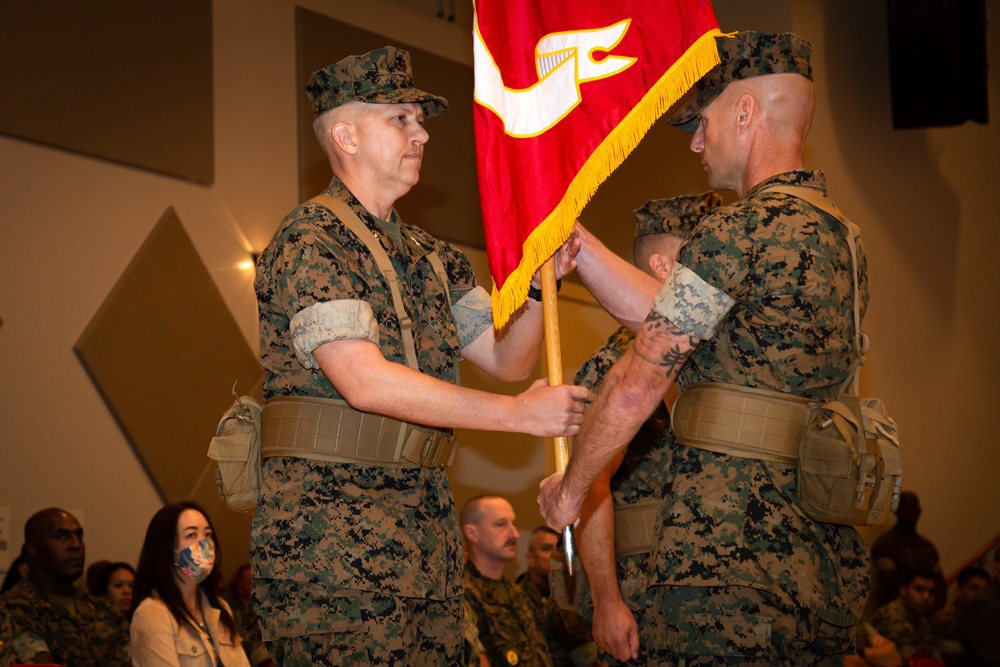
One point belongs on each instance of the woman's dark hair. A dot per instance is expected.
(104, 576)
(13, 574)
(156, 568)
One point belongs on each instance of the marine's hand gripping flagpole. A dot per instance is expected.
(553, 361)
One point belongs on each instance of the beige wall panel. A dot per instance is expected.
(164, 352)
(121, 80)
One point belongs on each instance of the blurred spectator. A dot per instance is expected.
(93, 572)
(570, 642)
(979, 624)
(507, 626)
(68, 626)
(901, 547)
(18, 570)
(906, 620)
(971, 581)
(178, 612)
(114, 584)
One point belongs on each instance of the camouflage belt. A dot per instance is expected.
(740, 421)
(634, 526)
(330, 430)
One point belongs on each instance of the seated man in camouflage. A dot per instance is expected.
(907, 619)
(507, 626)
(571, 643)
(58, 623)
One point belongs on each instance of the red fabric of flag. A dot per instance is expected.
(565, 89)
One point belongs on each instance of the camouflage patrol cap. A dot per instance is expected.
(382, 76)
(678, 215)
(746, 55)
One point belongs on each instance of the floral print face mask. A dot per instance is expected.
(196, 560)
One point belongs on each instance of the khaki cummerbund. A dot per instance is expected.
(330, 430)
(634, 528)
(740, 421)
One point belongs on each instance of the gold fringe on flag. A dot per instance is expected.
(548, 236)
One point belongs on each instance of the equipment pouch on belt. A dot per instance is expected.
(849, 470)
(236, 451)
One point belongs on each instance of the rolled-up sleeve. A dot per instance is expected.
(692, 304)
(473, 315)
(328, 321)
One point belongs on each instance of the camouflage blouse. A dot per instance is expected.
(331, 527)
(728, 521)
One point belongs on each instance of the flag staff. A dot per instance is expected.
(553, 360)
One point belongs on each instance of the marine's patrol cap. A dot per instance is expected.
(382, 76)
(746, 55)
(677, 215)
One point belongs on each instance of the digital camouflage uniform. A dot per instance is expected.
(911, 632)
(741, 574)
(95, 635)
(570, 641)
(507, 626)
(639, 478)
(337, 545)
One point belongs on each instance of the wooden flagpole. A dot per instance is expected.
(553, 360)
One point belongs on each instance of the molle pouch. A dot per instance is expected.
(236, 451)
(842, 473)
(880, 427)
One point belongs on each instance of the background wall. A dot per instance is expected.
(70, 224)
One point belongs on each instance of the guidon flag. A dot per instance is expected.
(564, 90)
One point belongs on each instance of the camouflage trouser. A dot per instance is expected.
(358, 628)
(736, 626)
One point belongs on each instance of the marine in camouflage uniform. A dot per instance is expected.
(79, 631)
(912, 632)
(358, 563)
(762, 297)
(507, 626)
(642, 473)
(567, 634)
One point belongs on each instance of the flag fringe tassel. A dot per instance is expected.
(548, 236)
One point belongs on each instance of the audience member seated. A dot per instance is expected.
(179, 618)
(18, 570)
(979, 624)
(902, 547)
(971, 581)
(238, 597)
(67, 626)
(906, 620)
(93, 573)
(114, 584)
(570, 641)
(506, 623)
(874, 650)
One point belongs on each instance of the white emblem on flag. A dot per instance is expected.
(563, 61)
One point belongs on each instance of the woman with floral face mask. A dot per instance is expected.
(179, 618)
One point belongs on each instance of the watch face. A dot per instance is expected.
(511, 657)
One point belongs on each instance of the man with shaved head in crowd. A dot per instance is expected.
(506, 622)
(59, 623)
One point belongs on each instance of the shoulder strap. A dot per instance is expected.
(351, 220)
(825, 204)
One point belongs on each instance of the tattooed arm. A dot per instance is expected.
(633, 388)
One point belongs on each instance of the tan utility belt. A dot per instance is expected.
(740, 421)
(330, 430)
(634, 526)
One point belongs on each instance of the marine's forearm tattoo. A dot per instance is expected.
(663, 344)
